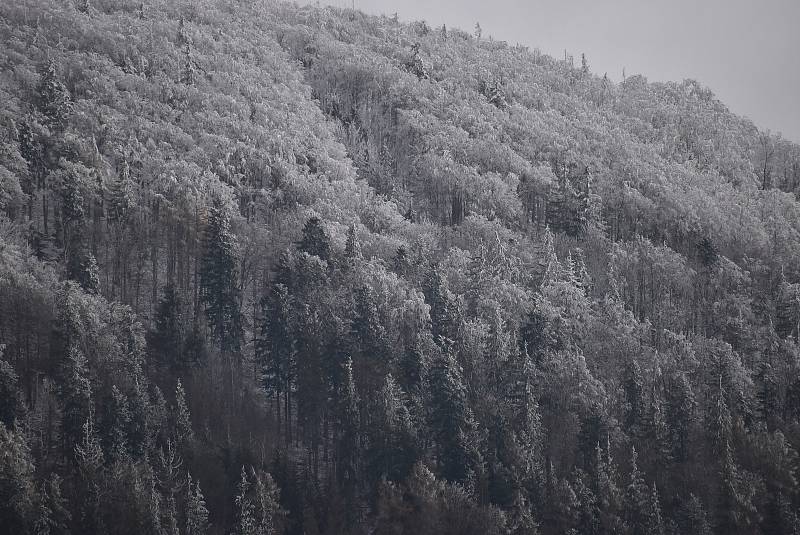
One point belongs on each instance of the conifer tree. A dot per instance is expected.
(52, 98)
(392, 452)
(196, 511)
(8, 392)
(52, 515)
(347, 430)
(76, 396)
(166, 339)
(637, 500)
(679, 415)
(219, 279)
(315, 241)
(17, 490)
(438, 298)
(655, 524)
(450, 417)
(275, 345)
(184, 435)
(352, 248)
(89, 459)
(692, 518)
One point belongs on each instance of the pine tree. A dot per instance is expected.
(787, 311)
(52, 515)
(450, 417)
(352, 248)
(347, 430)
(120, 423)
(692, 518)
(120, 200)
(89, 459)
(258, 505)
(275, 345)
(655, 524)
(219, 279)
(165, 340)
(184, 435)
(8, 392)
(17, 491)
(679, 415)
(52, 98)
(438, 298)
(76, 396)
(315, 241)
(196, 511)
(637, 501)
(369, 337)
(707, 252)
(393, 443)
(633, 387)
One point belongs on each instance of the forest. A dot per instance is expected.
(269, 269)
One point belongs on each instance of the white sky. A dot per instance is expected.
(746, 51)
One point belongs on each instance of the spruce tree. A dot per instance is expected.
(219, 279)
(692, 518)
(438, 298)
(450, 417)
(17, 490)
(637, 501)
(352, 248)
(166, 339)
(8, 392)
(275, 345)
(76, 396)
(184, 435)
(315, 241)
(52, 98)
(196, 511)
(679, 415)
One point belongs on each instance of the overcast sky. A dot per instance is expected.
(746, 51)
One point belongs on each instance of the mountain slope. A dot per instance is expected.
(271, 269)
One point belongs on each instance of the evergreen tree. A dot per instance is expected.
(17, 490)
(707, 252)
(184, 435)
(692, 518)
(275, 345)
(438, 298)
(655, 524)
(258, 506)
(89, 459)
(315, 241)
(166, 339)
(680, 409)
(82, 268)
(347, 449)
(634, 398)
(76, 396)
(638, 500)
(219, 279)
(52, 98)
(450, 417)
(52, 515)
(196, 511)
(393, 442)
(8, 392)
(352, 248)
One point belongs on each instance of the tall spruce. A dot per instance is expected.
(219, 279)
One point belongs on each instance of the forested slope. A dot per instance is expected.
(270, 269)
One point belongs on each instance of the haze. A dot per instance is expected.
(745, 51)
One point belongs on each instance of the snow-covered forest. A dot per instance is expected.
(269, 269)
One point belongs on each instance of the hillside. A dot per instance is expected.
(267, 269)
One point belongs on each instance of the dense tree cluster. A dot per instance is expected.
(267, 269)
